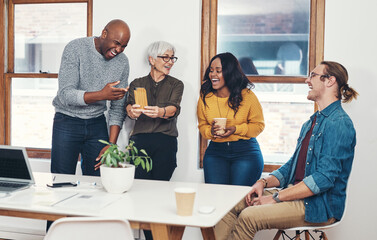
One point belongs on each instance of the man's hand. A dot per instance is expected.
(262, 200)
(99, 157)
(110, 92)
(255, 193)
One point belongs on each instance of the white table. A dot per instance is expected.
(147, 205)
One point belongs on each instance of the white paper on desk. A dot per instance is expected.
(39, 198)
(88, 201)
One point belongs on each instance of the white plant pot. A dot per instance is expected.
(117, 180)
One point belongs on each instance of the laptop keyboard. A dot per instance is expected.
(12, 184)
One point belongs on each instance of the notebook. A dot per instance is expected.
(15, 171)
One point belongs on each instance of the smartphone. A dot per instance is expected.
(62, 184)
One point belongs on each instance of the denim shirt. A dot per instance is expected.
(328, 163)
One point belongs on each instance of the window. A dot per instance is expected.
(36, 35)
(273, 36)
(277, 44)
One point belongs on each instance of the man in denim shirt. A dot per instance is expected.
(314, 180)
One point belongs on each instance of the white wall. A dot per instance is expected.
(351, 38)
(177, 22)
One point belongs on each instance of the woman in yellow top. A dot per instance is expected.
(232, 157)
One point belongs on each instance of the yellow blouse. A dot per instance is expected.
(249, 121)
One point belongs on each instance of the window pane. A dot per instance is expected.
(42, 31)
(273, 35)
(32, 111)
(284, 113)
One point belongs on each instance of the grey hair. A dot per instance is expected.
(158, 48)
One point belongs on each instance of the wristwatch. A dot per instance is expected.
(275, 196)
(264, 182)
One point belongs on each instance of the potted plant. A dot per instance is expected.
(117, 174)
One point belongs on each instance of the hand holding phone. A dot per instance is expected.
(62, 184)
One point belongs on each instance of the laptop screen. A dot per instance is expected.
(13, 164)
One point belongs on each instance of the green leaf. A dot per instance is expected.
(131, 155)
(135, 150)
(113, 148)
(104, 142)
(142, 163)
(116, 157)
(144, 152)
(108, 160)
(147, 165)
(137, 161)
(114, 162)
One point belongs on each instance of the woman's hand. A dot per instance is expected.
(153, 111)
(228, 131)
(214, 129)
(134, 111)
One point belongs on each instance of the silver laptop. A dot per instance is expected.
(15, 171)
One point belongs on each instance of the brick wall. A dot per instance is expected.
(274, 23)
(50, 20)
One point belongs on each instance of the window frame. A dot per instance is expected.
(7, 66)
(209, 48)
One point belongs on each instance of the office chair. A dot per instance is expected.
(306, 230)
(93, 228)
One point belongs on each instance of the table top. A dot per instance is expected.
(147, 201)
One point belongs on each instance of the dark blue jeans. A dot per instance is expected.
(73, 136)
(234, 163)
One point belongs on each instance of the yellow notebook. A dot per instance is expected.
(141, 97)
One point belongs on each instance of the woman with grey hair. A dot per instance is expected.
(155, 127)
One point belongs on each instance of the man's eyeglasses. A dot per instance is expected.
(313, 74)
(167, 58)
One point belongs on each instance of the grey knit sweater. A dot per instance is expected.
(84, 69)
